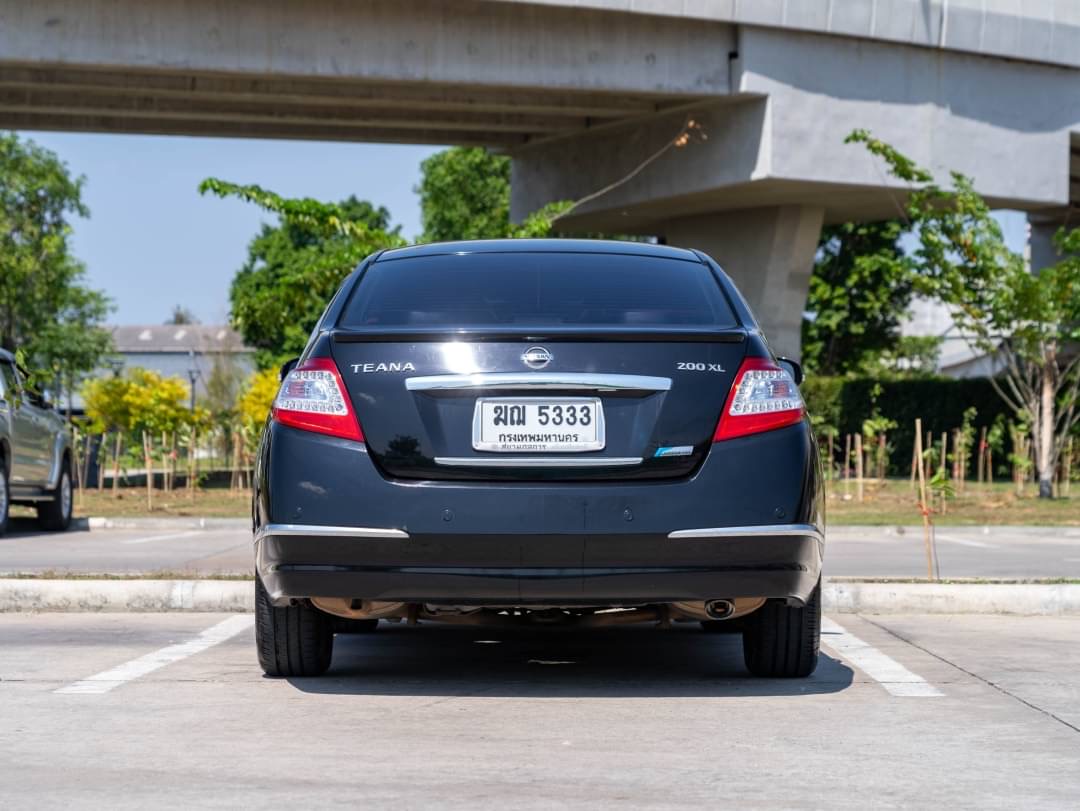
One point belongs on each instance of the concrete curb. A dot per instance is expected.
(194, 522)
(1026, 599)
(837, 598)
(126, 595)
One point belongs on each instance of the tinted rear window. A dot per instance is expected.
(493, 290)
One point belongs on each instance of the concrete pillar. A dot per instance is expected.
(769, 253)
(1041, 248)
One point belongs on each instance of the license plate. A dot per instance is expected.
(538, 424)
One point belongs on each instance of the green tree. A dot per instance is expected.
(293, 268)
(1021, 319)
(464, 194)
(861, 286)
(45, 309)
(156, 407)
(181, 315)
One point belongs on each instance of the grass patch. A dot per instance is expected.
(894, 503)
(130, 502)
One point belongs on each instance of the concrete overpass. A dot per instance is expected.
(579, 92)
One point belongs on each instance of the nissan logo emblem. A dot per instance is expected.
(536, 357)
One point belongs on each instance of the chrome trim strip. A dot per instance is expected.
(805, 530)
(539, 380)
(329, 532)
(538, 461)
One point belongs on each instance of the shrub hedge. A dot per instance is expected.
(844, 403)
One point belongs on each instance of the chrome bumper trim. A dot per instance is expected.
(538, 461)
(329, 532)
(583, 381)
(804, 530)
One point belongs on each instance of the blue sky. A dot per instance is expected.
(152, 242)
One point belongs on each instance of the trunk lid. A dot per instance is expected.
(659, 394)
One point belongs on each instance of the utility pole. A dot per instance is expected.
(193, 374)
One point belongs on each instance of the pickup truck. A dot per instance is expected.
(35, 452)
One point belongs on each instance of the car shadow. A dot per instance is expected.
(445, 660)
(23, 527)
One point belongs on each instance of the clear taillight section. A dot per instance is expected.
(312, 398)
(763, 397)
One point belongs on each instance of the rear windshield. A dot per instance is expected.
(493, 290)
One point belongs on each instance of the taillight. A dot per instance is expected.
(763, 397)
(312, 398)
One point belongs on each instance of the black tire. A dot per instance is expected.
(297, 640)
(781, 642)
(344, 625)
(55, 515)
(5, 496)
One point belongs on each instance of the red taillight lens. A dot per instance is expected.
(763, 397)
(312, 398)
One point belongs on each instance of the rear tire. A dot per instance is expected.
(55, 515)
(297, 640)
(5, 496)
(782, 642)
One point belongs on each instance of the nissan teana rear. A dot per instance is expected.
(556, 432)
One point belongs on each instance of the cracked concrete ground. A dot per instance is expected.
(460, 717)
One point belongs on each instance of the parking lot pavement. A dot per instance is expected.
(999, 552)
(991, 552)
(126, 551)
(449, 716)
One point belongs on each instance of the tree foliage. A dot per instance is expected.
(464, 194)
(141, 400)
(181, 315)
(45, 309)
(861, 286)
(293, 268)
(1020, 318)
(253, 403)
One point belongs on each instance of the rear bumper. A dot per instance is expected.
(332, 526)
(296, 561)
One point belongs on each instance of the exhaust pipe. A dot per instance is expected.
(719, 609)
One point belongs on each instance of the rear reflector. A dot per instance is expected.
(763, 397)
(312, 398)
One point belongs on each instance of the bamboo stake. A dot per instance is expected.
(980, 463)
(859, 467)
(85, 475)
(116, 464)
(1067, 468)
(103, 450)
(149, 459)
(847, 464)
(923, 507)
(78, 466)
(192, 445)
(882, 453)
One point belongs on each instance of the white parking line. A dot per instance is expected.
(888, 672)
(107, 680)
(169, 537)
(963, 541)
